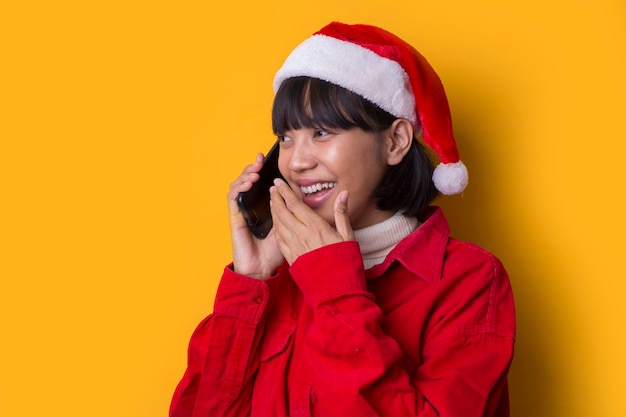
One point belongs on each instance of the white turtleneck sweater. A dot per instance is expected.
(377, 240)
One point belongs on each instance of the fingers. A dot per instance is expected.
(299, 229)
(303, 213)
(294, 212)
(248, 176)
(342, 218)
(285, 205)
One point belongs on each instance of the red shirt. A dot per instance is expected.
(429, 332)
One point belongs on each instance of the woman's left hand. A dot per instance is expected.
(299, 229)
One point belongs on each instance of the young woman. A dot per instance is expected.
(358, 303)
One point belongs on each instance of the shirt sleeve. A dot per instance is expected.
(222, 355)
(359, 370)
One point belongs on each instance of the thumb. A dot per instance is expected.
(342, 219)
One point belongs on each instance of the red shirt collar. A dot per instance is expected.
(422, 251)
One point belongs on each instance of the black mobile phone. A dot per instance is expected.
(254, 204)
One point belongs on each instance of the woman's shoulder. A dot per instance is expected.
(461, 250)
(435, 226)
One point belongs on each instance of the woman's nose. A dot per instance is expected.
(301, 156)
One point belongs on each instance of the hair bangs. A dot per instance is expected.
(304, 102)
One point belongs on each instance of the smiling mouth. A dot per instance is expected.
(312, 189)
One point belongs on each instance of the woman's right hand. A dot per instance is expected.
(257, 258)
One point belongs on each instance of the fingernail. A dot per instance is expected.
(277, 181)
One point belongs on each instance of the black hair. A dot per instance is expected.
(305, 102)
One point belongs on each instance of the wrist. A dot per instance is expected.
(260, 275)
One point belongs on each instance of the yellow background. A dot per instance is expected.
(122, 124)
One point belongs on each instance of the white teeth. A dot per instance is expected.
(318, 187)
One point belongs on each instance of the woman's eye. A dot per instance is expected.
(321, 132)
(283, 138)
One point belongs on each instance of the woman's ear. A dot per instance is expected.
(398, 140)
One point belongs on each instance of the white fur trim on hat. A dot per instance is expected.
(382, 81)
(451, 178)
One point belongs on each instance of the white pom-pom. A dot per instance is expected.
(451, 178)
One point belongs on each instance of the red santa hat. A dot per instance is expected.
(390, 73)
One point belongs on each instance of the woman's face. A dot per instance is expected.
(318, 164)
